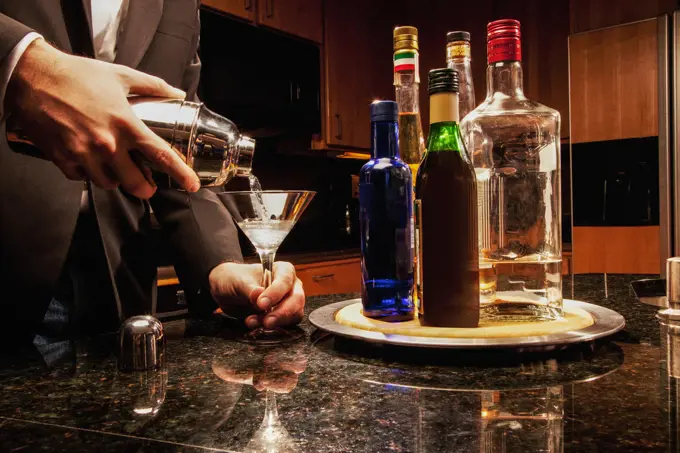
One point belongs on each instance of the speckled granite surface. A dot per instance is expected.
(333, 396)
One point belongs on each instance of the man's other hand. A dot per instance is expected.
(76, 112)
(237, 288)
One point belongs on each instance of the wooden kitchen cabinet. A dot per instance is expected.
(613, 76)
(245, 9)
(330, 277)
(357, 69)
(588, 15)
(303, 18)
(616, 250)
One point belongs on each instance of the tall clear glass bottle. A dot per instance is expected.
(407, 92)
(514, 144)
(459, 58)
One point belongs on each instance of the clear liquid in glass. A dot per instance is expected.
(267, 234)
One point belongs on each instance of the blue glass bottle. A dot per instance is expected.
(385, 199)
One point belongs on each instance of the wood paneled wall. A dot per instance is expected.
(593, 14)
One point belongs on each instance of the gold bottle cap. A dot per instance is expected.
(457, 45)
(405, 38)
(458, 49)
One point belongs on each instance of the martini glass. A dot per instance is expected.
(266, 217)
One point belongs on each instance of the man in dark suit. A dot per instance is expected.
(83, 256)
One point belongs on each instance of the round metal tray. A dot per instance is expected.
(606, 323)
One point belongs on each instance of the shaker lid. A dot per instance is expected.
(141, 343)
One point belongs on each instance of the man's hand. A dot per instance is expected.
(76, 112)
(277, 371)
(237, 288)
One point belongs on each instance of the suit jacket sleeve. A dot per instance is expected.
(11, 32)
(15, 37)
(192, 73)
(198, 227)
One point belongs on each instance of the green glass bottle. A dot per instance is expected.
(446, 215)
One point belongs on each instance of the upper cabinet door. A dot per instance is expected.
(613, 76)
(358, 69)
(244, 9)
(303, 18)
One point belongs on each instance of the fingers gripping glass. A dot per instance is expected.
(266, 218)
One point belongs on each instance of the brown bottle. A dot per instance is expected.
(446, 213)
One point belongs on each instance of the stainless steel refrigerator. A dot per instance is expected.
(669, 136)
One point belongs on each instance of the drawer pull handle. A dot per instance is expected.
(339, 134)
(318, 278)
(181, 297)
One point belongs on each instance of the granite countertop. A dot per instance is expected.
(325, 395)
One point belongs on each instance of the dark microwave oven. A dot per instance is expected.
(265, 82)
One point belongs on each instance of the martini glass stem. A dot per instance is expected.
(267, 259)
(264, 335)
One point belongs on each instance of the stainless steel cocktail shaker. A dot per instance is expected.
(209, 143)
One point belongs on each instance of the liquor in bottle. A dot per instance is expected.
(407, 87)
(407, 91)
(514, 144)
(446, 213)
(386, 209)
(459, 58)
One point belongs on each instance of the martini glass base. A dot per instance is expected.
(268, 337)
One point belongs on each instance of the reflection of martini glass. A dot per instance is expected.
(266, 218)
(271, 436)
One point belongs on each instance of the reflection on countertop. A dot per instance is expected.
(327, 395)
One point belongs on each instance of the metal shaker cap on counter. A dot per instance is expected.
(141, 344)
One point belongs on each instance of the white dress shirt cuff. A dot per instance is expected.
(7, 67)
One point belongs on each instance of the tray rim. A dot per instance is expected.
(607, 322)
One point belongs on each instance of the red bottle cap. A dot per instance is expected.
(503, 41)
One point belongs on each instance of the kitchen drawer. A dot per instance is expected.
(330, 277)
(616, 250)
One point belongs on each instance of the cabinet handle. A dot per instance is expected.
(269, 8)
(248, 4)
(339, 134)
(181, 298)
(318, 278)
